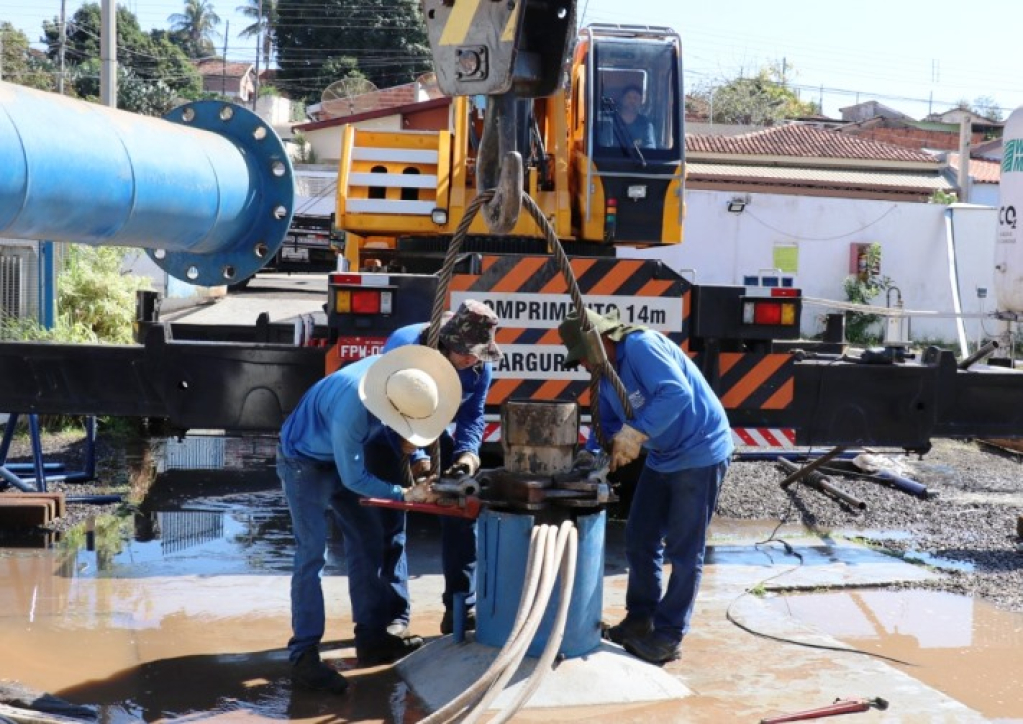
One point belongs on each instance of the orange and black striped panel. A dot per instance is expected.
(530, 296)
(747, 381)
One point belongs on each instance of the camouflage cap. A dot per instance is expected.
(471, 331)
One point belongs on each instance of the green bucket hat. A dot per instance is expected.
(575, 341)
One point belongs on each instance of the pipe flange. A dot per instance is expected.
(272, 202)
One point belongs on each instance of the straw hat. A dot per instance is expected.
(413, 390)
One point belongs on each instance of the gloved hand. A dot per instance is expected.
(466, 463)
(626, 446)
(421, 492)
(421, 468)
(584, 461)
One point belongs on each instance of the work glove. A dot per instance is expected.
(466, 463)
(626, 446)
(421, 492)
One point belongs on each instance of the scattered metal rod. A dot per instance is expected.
(884, 477)
(977, 356)
(772, 455)
(841, 706)
(820, 482)
(802, 472)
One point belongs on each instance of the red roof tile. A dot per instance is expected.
(982, 170)
(800, 141)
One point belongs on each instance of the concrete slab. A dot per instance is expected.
(608, 675)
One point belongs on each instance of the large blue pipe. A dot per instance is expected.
(207, 191)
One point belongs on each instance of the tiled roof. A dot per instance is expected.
(881, 182)
(801, 141)
(216, 66)
(982, 171)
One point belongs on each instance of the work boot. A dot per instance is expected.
(311, 673)
(652, 648)
(631, 625)
(447, 624)
(388, 649)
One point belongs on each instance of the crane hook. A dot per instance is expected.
(500, 164)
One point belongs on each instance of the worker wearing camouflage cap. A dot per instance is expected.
(467, 339)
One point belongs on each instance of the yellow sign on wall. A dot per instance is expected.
(786, 258)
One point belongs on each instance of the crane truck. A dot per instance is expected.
(208, 193)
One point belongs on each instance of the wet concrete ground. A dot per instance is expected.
(181, 612)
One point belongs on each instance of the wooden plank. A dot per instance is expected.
(25, 513)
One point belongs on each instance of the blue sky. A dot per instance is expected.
(911, 55)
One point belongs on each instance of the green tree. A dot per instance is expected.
(138, 95)
(761, 100)
(386, 38)
(263, 14)
(93, 292)
(987, 106)
(196, 25)
(19, 64)
(150, 57)
(861, 327)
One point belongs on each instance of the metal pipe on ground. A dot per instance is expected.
(820, 482)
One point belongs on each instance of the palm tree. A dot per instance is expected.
(263, 13)
(197, 23)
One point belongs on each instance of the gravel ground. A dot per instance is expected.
(970, 518)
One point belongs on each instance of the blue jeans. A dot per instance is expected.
(374, 542)
(668, 520)
(457, 535)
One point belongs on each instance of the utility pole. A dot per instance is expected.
(259, 50)
(965, 139)
(223, 74)
(108, 54)
(61, 43)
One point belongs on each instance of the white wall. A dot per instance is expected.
(326, 142)
(723, 247)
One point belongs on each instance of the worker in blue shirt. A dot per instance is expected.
(680, 423)
(413, 391)
(466, 339)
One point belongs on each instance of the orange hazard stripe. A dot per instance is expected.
(655, 288)
(753, 379)
(613, 280)
(782, 398)
(550, 390)
(726, 360)
(557, 284)
(501, 390)
(518, 275)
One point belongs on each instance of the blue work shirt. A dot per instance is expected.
(671, 403)
(469, 421)
(331, 425)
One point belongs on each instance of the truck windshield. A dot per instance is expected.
(636, 100)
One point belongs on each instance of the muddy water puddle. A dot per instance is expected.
(180, 610)
(961, 646)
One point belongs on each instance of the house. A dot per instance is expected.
(870, 109)
(806, 160)
(235, 80)
(417, 106)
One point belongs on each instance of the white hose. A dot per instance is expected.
(453, 708)
(550, 652)
(518, 645)
(547, 554)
